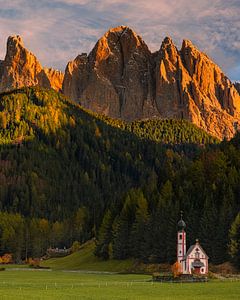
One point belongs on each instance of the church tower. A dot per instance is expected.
(181, 245)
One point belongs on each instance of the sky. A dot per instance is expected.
(56, 31)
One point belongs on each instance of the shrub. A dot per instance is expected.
(75, 247)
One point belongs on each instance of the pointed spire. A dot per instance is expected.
(181, 223)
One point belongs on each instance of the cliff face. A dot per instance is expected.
(55, 78)
(117, 78)
(21, 68)
(123, 79)
(190, 86)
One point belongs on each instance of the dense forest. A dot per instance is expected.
(69, 175)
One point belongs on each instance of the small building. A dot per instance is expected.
(56, 252)
(195, 260)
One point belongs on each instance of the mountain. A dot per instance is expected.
(190, 86)
(116, 78)
(68, 175)
(123, 79)
(21, 68)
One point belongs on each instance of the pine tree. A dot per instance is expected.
(104, 236)
(234, 236)
(209, 228)
(138, 234)
(121, 243)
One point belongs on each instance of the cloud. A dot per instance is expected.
(57, 30)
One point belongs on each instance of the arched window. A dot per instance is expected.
(197, 254)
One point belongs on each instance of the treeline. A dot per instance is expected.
(165, 131)
(131, 179)
(207, 189)
(31, 237)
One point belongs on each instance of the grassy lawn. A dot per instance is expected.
(78, 284)
(14, 266)
(23, 284)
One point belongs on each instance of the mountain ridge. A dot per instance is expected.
(123, 79)
(21, 68)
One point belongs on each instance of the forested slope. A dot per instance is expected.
(67, 174)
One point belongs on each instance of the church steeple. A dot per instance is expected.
(181, 243)
(181, 223)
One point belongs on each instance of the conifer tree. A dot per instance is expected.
(104, 236)
(234, 236)
(139, 230)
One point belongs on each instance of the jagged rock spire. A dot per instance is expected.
(21, 68)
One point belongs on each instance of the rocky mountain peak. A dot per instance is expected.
(191, 86)
(17, 51)
(167, 41)
(117, 41)
(15, 40)
(123, 79)
(187, 44)
(117, 77)
(123, 32)
(168, 51)
(21, 68)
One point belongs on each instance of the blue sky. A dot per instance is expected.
(56, 31)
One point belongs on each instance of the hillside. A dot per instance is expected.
(67, 174)
(164, 131)
(26, 112)
(85, 260)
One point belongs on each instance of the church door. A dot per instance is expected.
(197, 270)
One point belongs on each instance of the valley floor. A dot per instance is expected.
(47, 284)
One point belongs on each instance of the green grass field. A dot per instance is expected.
(79, 284)
(36, 284)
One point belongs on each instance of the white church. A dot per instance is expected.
(195, 260)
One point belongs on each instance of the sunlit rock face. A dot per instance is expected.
(21, 68)
(117, 78)
(123, 79)
(55, 78)
(190, 86)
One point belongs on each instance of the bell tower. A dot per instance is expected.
(181, 244)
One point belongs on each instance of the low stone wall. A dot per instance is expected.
(179, 279)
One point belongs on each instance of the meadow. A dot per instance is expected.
(47, 284)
